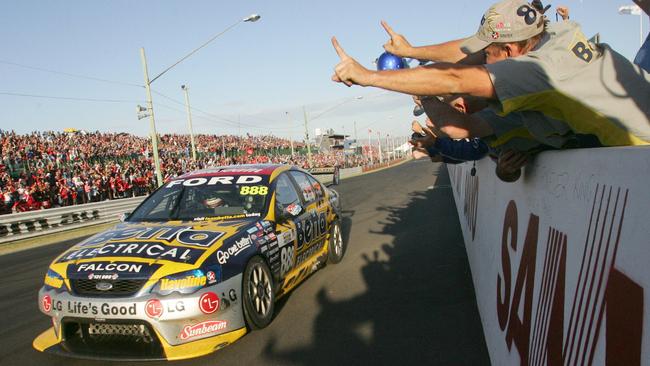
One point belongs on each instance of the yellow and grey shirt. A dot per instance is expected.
(590, 88)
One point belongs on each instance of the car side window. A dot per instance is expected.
(285, 193)
(305, 186)
(318, 187)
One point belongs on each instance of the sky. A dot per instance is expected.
(77, 63)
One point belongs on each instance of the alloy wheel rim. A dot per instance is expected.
(259, 291)
(338, 241)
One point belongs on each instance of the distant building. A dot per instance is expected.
(331, 141)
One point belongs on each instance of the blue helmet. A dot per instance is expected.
(388, 61)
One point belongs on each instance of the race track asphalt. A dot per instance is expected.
(403, 294)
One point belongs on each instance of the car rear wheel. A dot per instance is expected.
(336, 246)
(259, 294)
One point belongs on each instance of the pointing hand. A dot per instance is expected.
(348, 70)
(397, 44)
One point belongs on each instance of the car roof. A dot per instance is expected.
(242, 169)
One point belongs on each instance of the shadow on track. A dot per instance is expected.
(418, 306)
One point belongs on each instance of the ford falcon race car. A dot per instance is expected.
(197, 264)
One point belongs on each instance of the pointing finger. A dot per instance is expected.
(388, 29)
(339, 49)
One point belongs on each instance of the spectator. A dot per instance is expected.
(62, 169)
(563, 77)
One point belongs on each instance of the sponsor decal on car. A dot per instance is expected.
(141, 249)
(209, 303)
(153, 308)
(109, 266)
(212, 277)
(286, 259)
(210, 181)
(90, 308)
(309, 252)
(286, 237)
(93, 276)
(239, 246)
(203, 328)
(311, 229)
(294, 209)
(171, 284)
(184, 234)
(47, 303)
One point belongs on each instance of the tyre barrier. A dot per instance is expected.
(559, 258)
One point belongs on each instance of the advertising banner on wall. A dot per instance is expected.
(560, 259)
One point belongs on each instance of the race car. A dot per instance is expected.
(196, 265)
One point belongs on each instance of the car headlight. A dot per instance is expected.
(184, 282)
(53, 280)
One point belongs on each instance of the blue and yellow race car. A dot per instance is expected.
(191, 269)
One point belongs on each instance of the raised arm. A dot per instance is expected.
(437, 79)
(442, 52)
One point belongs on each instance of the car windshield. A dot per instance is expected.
(221, 197)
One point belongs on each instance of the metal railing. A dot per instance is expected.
(34, 223)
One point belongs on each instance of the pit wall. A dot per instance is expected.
(560, 259)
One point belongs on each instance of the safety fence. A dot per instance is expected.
(559, 259)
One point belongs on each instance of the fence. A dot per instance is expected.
(30, 224)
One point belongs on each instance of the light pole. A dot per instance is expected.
(634, 10)
(147, 85)
(381, 158)
(370, 146)
(189, 119)
(290, 134)
(307, 137)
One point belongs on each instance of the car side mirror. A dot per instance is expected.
(123, 216)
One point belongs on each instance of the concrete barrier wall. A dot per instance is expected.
(561, 258)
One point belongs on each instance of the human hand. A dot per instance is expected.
(348, 70)
(562, 11)
(417, 128)
(397, 44)
(417, 100)
(419, 153)
(430, 128)
(509, 165)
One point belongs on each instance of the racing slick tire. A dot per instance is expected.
(259, 294)
(336, 245)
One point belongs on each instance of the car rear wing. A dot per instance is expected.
(334, 171)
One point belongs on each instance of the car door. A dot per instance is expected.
(286, 231)
(311, 224)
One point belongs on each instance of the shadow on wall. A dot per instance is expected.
(419, 306)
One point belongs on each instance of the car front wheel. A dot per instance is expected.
(259, 294)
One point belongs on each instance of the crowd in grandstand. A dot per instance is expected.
(52, 169)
